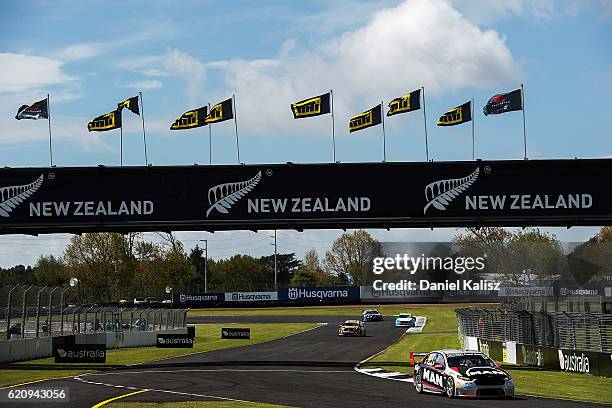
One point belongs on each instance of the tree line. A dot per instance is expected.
(113, 266)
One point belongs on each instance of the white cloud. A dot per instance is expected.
(187, 67)
(19, 72)
(150, 84)
(79, 51)
(438, 48)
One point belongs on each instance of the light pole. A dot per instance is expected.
(74, 282)
(275, 267)
(170, 291)
(205, 264)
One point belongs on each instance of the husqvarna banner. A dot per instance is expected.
(332, 293)
(250, 296)
(295, 196)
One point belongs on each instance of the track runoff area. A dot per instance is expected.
(294, 356)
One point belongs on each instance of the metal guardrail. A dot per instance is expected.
(33, 312)
(575, 331)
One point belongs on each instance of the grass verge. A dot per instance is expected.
(528, 381)
(208, 338)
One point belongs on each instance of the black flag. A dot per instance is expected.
(110, 121)
(407, 103)
(502, 103)
(37, 110)
(220, 112)
(191, 119)
(131, 104)
(315, 106)
(366, 119)
(457, 116)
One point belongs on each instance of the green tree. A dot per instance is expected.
(287, 264)
(49, 271)
(352, 255)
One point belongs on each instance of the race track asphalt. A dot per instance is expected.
(310, 369)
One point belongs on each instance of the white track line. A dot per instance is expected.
(164, 391)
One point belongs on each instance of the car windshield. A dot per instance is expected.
(351, 324)
(403, 315)
(463, 363)
(371, 311)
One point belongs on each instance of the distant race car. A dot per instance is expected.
(352, 328)
(371, 315)
(462, 373)
(405, 320)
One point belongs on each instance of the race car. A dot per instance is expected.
(462, 373)
(352, 328)
(405, 320)
(371, 315)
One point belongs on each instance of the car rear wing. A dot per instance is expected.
(414, 354)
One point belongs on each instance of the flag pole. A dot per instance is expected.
(473, 120)
(209, 139)
(425, 122)
(524, 127)
(236, 127)
(121, 144)
(331, 92)
(49, 120)
(144, 135)
(383, 129)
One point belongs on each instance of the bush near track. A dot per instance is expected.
(528, 380)
(208, 338)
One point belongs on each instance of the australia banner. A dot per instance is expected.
(297, 196)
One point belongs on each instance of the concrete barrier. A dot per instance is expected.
(29, 349)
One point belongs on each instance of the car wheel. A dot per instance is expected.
(450, 387)
(418, 384)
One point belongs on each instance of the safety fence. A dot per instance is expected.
(34, 312)
(572, 331)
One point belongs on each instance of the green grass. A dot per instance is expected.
(561, 385)
(528, 381)
(192, 404)
(208, 338)
(432, 311)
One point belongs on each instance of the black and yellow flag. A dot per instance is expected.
(366, 119)
(220, 112)
(315, 106)
(191, 119)
(110, 121)
(407, 103)
(131, 104)
(457, 116)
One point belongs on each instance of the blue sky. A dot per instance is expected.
(90, 55)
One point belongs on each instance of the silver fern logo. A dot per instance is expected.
(223, 196)
(12, 196)
(440, 193)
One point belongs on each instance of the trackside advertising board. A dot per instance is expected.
(199, 299)
(332, 293)
(293, 196)
(251, 296)
(80, 353)
(172, 340)
(551, 358)
(235, 333)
